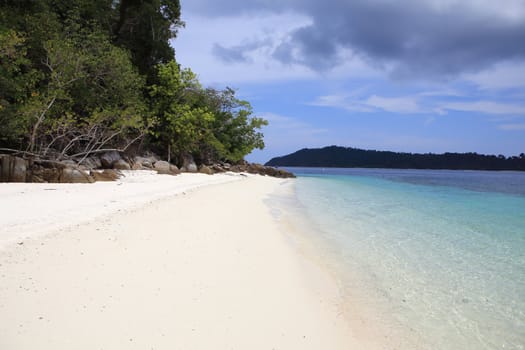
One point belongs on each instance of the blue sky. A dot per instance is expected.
(403, 75)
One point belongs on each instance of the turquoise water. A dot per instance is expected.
(441, 254)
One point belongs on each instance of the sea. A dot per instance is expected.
(434, 259)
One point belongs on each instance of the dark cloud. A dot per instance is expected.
(410, 36)
(308, 47)
(239, 53)
(230, 54)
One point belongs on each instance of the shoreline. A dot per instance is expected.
(208, 269)
(369, 321)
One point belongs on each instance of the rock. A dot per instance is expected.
(109, 158)
(84, 168)
(3, 177)
(13, 169)
(18, 173)
(239, 168)
(136, 166)
(174, 170)
(152, 157)
(92, 162)
(255, 169)
(72, 175)
(162, 167)
(69, 163)
(35, 173)
(105, 175)
(284, 174)
(51, 175)
(188, 164)
(217, 168)
(121, 164)
(146, 162)
(205, 170)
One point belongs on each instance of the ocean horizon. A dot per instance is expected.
(434, 259)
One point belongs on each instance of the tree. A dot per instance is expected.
(81, 76)
(145, 28)
(181, 123)
(207, 123)
(77, 93)
(94, 95)
(235, 131)
(18, 81)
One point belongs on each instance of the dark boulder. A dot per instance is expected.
(174, 170)
(121, 164)
(13, 169)
(92, 162)
(109, 158)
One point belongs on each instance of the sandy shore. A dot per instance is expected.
(189, 262)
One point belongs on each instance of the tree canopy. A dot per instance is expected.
(347, 157)
(81, 76)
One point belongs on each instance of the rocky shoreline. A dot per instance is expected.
(107, 167)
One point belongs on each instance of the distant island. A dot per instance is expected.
(348, 157)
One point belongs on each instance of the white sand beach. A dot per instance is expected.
(159, 262)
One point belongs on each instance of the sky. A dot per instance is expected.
(402, 75)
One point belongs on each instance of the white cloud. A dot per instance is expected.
(442, 93)
(374, 103)
(291, 125)
(346, 101)
(512, 127)
(501, 76)
(422, 103)
(406, 105)
(487, 107)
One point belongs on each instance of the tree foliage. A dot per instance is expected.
(211, 124)
(79, 76)
(345, 157)
(145, 28)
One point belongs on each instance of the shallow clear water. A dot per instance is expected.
(442, 253)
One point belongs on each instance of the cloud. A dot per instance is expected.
(421, 103)
(230, 54)
(512, 127)
(238, 49)
(374, 103)
(406, 105)
(505, 75)
(348, 102)
(309, 47)
(412, 39)
(487, 107)
(240, 53)
(290, 124)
